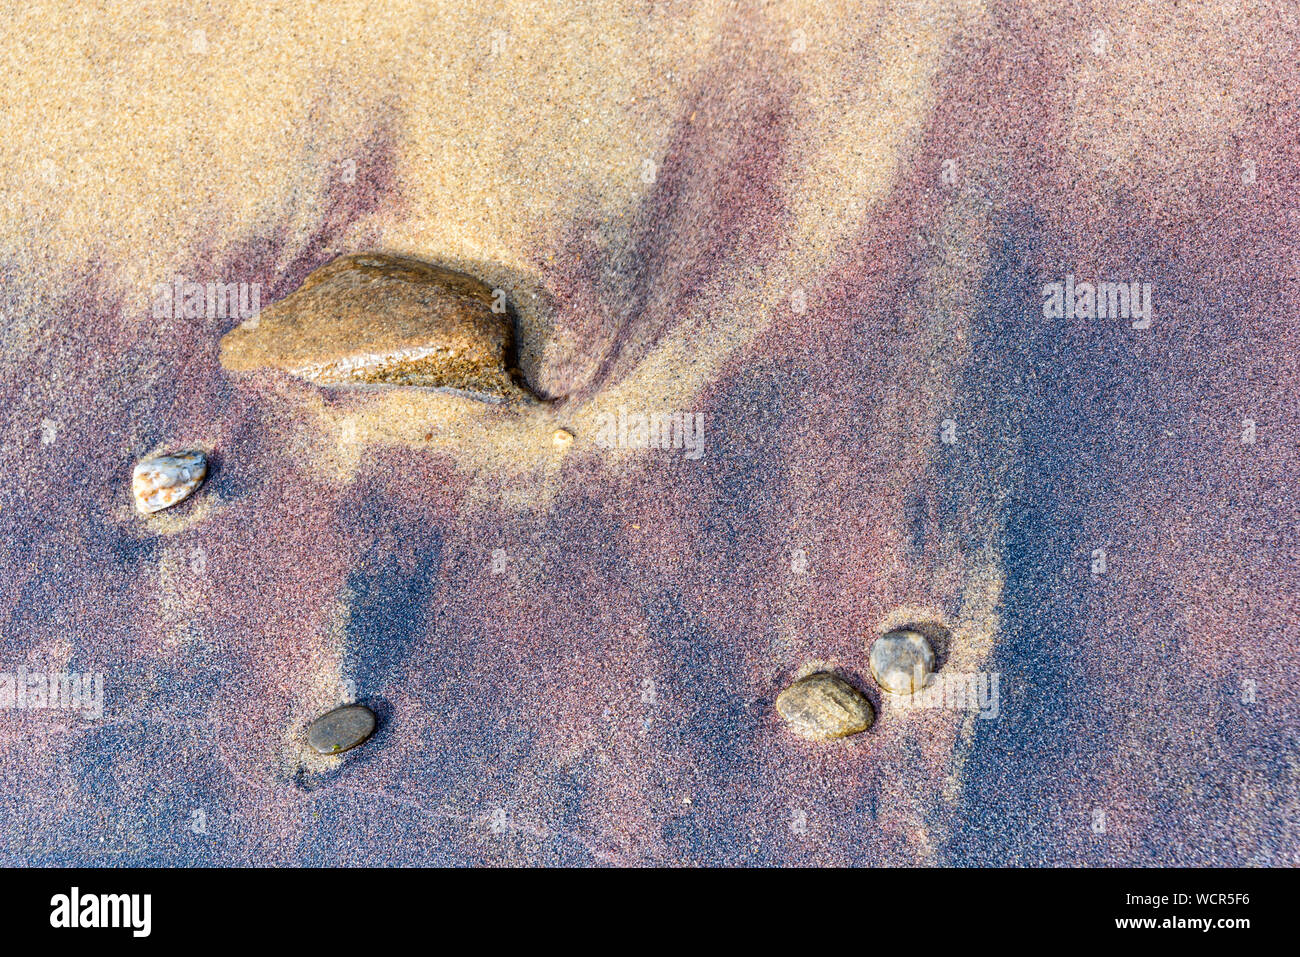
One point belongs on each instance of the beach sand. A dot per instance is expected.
(829, 229)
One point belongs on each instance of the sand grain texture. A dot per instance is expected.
(826, 228)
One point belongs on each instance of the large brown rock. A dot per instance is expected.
(371, 319)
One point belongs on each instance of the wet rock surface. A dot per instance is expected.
(823, 707)
(371, 319)
(902, 661)
(341, 729)
(161, 481)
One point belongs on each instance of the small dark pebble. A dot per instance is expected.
(341, 729)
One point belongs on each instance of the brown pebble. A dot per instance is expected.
(371, 319)
(824, 706)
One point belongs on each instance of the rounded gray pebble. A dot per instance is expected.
(902, 661)
(341, 729)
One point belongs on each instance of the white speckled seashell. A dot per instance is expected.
(162, 481)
